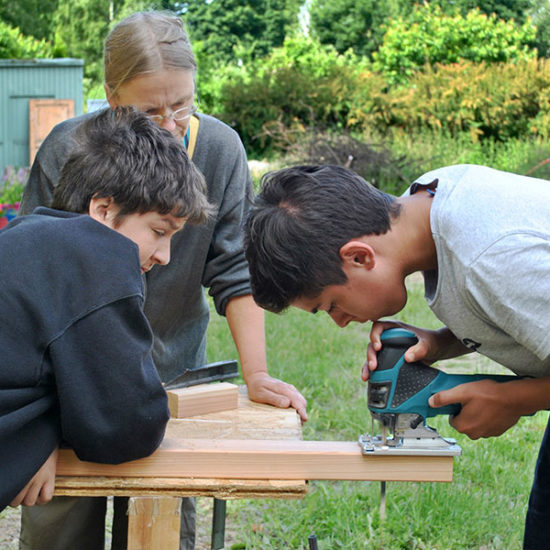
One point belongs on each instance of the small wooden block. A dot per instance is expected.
(203, 399)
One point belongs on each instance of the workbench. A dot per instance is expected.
(155, 501)
(254, 451)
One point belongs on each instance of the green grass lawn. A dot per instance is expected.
(483, 508)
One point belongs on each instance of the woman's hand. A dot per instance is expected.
(262, 388)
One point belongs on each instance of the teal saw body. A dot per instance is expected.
(397, 387)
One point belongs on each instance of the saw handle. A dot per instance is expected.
(416, 382)
(445, 381)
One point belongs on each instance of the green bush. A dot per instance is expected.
(14, 45)
(276, 105)
(500, 101)
(297, 86)
(428, 37)
(304, 86)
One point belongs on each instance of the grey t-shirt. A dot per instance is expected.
(492, 285)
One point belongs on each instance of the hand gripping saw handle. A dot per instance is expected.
(397, 387)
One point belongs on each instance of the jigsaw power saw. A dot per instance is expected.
(397, 397)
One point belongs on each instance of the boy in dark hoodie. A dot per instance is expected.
(76, 365)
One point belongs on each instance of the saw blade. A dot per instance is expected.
(408, 435)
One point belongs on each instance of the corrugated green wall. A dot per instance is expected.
(21, 80)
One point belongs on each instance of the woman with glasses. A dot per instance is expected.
(149, 63)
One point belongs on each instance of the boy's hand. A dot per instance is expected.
(429, 348)
(262, 388)
(39, 490)
(486, 410)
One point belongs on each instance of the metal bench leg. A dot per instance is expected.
(218, 524)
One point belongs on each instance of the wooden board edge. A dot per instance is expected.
(261, 459)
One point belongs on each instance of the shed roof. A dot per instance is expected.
(60, 61)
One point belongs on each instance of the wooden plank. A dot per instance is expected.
(154, 523)
(44, 114)
(202, 399)
(226, 489)
(259, 459)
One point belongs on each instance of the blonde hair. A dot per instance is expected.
(144, 43)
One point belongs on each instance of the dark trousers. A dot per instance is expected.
(78, 523)
(537, 522)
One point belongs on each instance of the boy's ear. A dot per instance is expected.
(357, 254)
(102, 209)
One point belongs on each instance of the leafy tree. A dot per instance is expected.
(32, 17)
(13, 45)
(123, 8)
(359, 24)
(429, 36)
(251, 26)
(81, 27)
(518, 10)
(351, 24)
(541, 20)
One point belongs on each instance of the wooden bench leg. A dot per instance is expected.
(218, 524)
(154, 523)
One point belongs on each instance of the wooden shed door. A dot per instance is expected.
(44, 114)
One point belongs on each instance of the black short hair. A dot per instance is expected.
(299, 221)
(121, 153)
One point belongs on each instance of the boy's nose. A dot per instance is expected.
(162, 254)
(340, 318)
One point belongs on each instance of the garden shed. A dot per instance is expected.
(35, 94)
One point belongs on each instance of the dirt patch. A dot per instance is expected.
(10, 521)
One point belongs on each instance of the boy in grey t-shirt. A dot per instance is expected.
(322, 239)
